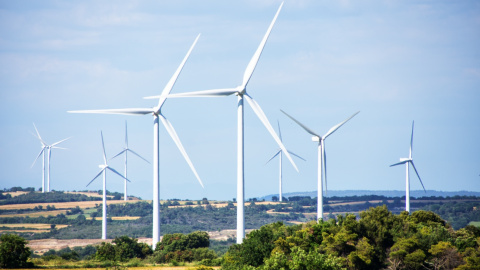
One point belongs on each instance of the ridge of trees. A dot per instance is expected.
(378, 240)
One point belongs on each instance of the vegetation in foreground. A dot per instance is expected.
(379, 239)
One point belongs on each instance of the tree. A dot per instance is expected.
(13, 252)
(445, 256)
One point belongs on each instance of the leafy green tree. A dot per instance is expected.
(13, 252)
(105, 252)
(405, 254)
(445, 256)
(127, 248)
(256, 247)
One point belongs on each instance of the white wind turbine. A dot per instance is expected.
(322, 159)
(46, 148)
(240, 92)
(126, 150)
(408, 161)
(103, 168)
(279, 153)
(157, 114)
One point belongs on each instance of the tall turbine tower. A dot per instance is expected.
(279, 153)
(241, 92)
(46, 148)
(126, 150)
(322, 159)
(103, 168)
(157, 115)
(408, 161)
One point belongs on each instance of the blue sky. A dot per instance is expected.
(395, 61)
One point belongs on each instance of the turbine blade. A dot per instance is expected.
(132, 111)
(123, 151)
(113, 170)
(411, 141)
(274, 156)
(302, 125)
(279, 131)
(101, 171)
(334, 128)
(413, 165)
(261, 115)
(399, 163)
(38, 136)
(39, 154)
(293, 154)
(103, 146)
(56, 147)
(168, 88)
(253, 62)
(133, 152)
(126, 136)
(60, 141)
(203, 93)
(177, 141)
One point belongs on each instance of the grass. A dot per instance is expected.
(474, 223)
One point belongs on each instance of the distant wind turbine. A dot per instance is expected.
(48, 149)
(241, 93)
(322, 159)
(157, 114)
(408, 161)
(103, 168)
(126, 150)
(279, 153)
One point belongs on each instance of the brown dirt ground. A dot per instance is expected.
(43, 245)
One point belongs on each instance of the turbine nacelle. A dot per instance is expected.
(102, 166)
(405, 159)
(316, 139)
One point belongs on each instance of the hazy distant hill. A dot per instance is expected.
(387, 193)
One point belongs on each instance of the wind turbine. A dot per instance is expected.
(126, 150)
(279, 153)
(46, 148)
(241, 93)
(322, 158)
(157, 114)
(408, 161)
(103, 168)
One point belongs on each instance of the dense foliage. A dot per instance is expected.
(49, 197)
(184, 248)
(378, 240)
(123, 249)
(13, 252)
(457, 214)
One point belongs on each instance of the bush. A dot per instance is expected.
(13, 252)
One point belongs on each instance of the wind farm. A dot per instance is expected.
(46, 154)
(103, 171)
(323, 62)
(322, 159)
(125, 151)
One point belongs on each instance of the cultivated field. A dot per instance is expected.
(62, 205)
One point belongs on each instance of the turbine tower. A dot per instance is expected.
(408, 161)
(241, 92)
(103, 168)
(157, 115)
(279, 153)
(126, 150)
(322, 159)
(48, 149)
